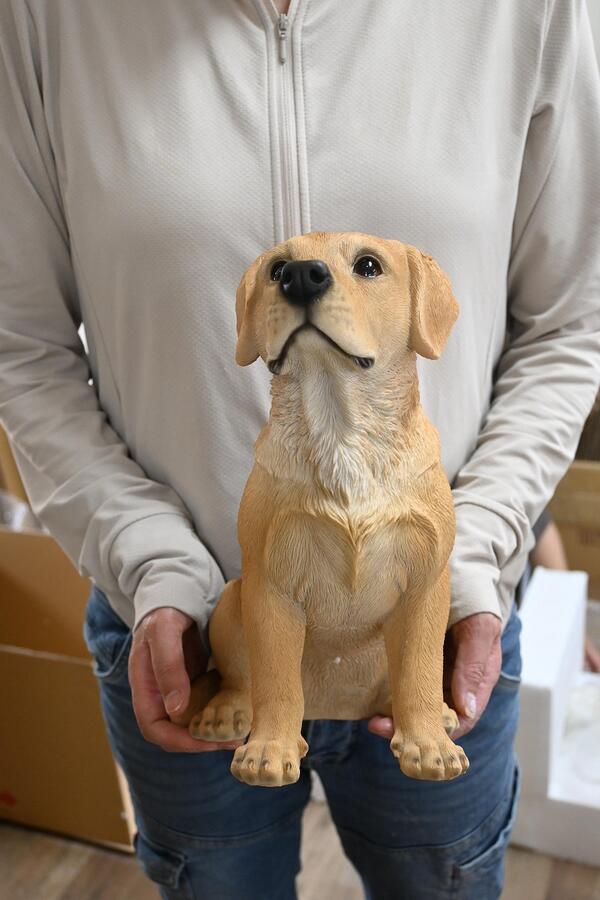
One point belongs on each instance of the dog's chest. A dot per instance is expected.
(346, 565)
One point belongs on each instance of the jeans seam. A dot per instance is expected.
(190, 842)
(412, 848)
(459, 871)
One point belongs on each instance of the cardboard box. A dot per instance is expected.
(576, 510)
(57, 772)
(558, 734)
(10, 479)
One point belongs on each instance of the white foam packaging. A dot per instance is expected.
(558, 738)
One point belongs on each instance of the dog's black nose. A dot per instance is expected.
(304, 281)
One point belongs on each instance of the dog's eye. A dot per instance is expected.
(367, 267)
(276, 269)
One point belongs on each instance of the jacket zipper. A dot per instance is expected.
(288, 152)
(282, 26)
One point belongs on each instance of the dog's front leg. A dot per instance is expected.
(275, 629)
(414, 639)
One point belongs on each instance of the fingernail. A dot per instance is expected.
(173, 701)
(470, 705)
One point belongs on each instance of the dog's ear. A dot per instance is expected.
(246, 350)
(433, 309)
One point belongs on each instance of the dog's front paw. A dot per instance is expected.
(428, 756)
(270, 763)
(449, 719)
(227, 717)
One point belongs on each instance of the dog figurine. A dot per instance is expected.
(346, 521)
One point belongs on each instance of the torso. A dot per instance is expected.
(163, 125)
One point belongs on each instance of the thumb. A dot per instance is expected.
(165, 641)
(473, 648)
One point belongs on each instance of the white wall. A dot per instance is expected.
(594, 10)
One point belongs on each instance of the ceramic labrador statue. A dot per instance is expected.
(346, 521)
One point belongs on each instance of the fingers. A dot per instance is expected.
(154, 674)
(592, 656)
(163, 631)
(478, 657)
(382, 726)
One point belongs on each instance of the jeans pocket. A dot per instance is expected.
(107, 637)
(510, 673)
(481, 876)
(165, 867)
(508, 681)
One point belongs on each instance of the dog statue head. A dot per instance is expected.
(327, 297)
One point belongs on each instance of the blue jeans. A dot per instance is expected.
(203, 835)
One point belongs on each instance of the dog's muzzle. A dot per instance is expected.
(275, 365)
(302, 283)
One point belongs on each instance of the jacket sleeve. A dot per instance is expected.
(133, 536)
(548, 374)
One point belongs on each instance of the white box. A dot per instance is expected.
(558, 739)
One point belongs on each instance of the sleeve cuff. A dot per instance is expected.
(474, 591)
(160, 561)
(179, 592)
(485, 541)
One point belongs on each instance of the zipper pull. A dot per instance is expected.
(282, 25)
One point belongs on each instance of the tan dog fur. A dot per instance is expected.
(345, 524)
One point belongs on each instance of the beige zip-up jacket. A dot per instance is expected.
(149, 150)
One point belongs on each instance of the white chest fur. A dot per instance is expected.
(337, 440)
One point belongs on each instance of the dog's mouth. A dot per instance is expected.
(275, 365)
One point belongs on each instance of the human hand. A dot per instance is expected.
(592, 656)
(472, 661)
(166, 654)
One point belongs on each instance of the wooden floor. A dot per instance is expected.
(36, 866)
